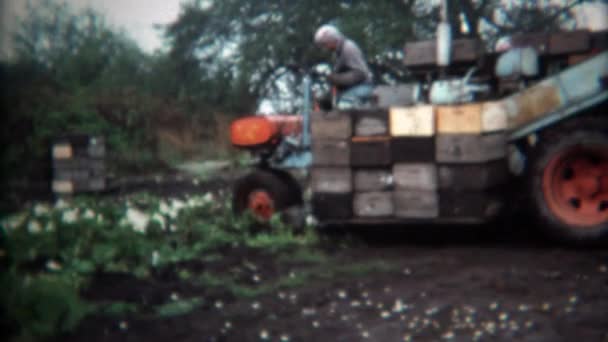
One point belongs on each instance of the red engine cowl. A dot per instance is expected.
(257, 131)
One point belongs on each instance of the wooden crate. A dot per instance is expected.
(539, 41)
(396, 95)
(332, 206)
(569, 42)
(459, 119)
(473, 176)
(373, 204)
(469, 204)
(494, 116)
(370, 151)
(415, 176)
(65, 186)
(424, 52)
(416, 121)
(416, 203)
(470, 148)
(72, 146)
(372, 180)
(331, 180)
(327, 152)
(413, 150)
(93, 165)
(370, 122)
(331, 125)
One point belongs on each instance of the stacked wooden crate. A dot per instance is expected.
(78, 164)
(414, 169)
(371, 162)
(331, 175)
(471, 152)
(418, 162)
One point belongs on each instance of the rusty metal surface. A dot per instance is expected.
(533, 103)
(569, 87)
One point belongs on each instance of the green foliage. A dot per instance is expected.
(179, 307)
(41, 305)
(52, 253)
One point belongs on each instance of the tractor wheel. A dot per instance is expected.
(569, 185)
(264, 193)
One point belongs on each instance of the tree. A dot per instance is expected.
(244, 49)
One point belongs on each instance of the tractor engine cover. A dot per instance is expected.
(253, 131)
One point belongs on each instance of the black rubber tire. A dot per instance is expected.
(281, 191)
(553, 143)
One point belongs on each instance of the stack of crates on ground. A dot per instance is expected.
(78, 164)
(416, 162)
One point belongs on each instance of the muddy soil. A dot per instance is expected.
(490, 283)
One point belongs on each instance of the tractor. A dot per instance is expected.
(473, 133)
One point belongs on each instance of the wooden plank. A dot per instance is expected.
(539, 41)
(372, 180)
(80, 163)
(370, 122)
(331, 125)
(332, 206)
(396, 95)
(415, 176)
(373, 204)
(416, 121)
(62, 151)
(331, 180)
(459, 119)
(424, 52)
(465, 50)
(416, 204)
(330, 152)
(420, 53)
(370, 151)
(473, 176)
(569, 42)
(469, 148)
(61, 186)
(494, 116)
(71, 174)
(412, 150)
(468, 204)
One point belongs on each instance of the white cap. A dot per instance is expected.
(327, 34)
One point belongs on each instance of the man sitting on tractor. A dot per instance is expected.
(351, 75)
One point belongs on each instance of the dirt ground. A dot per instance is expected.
(490, 283)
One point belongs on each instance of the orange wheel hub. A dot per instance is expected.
(575, 186)
(261, 204)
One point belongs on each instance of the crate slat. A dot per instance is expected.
(373, 180)
(459, 119)
(331, 152)
(373, 204)
(473, 176)
(470, 148)
(416, 121)
(331, 180)
(332, 206)
(331, 125)
(370, 151)
(415, 176)
(412, 150)
(416, 204)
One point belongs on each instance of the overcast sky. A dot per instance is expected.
(136, 17)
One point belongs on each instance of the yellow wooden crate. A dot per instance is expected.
(63, 186)
(418, 121)
(456, 119)
(494, 116)
(62, 151)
